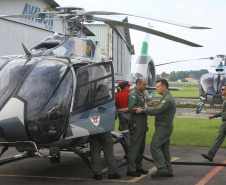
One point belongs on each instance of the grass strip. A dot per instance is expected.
(185, 92)
(188, 132)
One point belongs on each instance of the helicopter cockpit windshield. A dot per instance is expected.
(218, 66)
(2, 61)
(211, 84)
(46, 105)
(10, 76)
(48, 101)
(217, 62)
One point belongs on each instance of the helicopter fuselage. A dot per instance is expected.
(210, 88)
(57, 94)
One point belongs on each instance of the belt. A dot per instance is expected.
(123, 110)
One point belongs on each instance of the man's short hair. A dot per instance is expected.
(163, 82)
(101, 88)
(139, 80)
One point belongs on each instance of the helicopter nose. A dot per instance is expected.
(12, 121)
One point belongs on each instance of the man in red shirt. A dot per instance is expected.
(123, 112)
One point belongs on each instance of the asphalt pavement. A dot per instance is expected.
(72, 169)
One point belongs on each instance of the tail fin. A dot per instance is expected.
(144, 48)
(145, 66)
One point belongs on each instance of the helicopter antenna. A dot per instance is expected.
(81, 26)
(64, 25)
(28, 53)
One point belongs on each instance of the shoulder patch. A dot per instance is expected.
(133, 96)
(163, 101)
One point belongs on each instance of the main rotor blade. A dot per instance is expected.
(21, 16)
(147, 30)
(183, 61)
(40, 15)
(83, 13)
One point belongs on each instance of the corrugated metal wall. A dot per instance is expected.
(114, 47)
(15, 31)
(103, 34)
(14, 34)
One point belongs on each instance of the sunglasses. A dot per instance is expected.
(223, 89)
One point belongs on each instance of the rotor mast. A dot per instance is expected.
(69, 17)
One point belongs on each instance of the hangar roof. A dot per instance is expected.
(52, 3)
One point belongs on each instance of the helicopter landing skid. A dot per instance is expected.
(119, 164)
(54, 153)
(118, 138)
(199, 107)
(84, 155)
(16, 158)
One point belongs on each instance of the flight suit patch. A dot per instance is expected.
(133, 96)
(163, 101)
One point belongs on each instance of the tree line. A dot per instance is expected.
(181, 75)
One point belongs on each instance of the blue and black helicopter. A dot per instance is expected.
(49, 96)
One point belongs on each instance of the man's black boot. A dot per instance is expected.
(159, 174)
(97, 177)
(114, 176)
(207, 157)
(134, 174)
(142, 171)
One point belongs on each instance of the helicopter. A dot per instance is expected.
(210, 84)
(48, 96)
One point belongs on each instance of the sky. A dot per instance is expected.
(207, 13)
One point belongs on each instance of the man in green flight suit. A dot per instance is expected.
(164, 115)
(222, 131)
(137, 128)
(102, 141)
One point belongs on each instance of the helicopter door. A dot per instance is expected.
(94, 103)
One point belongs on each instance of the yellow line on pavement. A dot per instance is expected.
(135, 179)
(149, 171)
(44, 177)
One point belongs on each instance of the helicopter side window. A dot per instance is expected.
(94, 87)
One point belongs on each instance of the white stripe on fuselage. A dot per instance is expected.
(13, 108)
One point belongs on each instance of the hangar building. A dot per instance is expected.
(116, 43)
